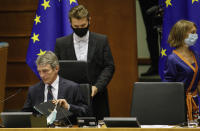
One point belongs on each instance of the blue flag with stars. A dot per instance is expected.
(175, 10)
(50, 22)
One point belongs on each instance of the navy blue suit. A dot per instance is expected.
(67, 90)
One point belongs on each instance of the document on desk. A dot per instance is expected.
(157, 126)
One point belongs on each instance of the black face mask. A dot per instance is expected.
(81, 31)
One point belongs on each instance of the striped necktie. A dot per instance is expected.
(49, 94)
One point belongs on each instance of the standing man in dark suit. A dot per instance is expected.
(94, 48)
(53, 87)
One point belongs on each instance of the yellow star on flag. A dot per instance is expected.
(41, 52)
(72, 1)
(35, 37)
(37, 19)
(45, 4)
(163, 52)
(168, 2)
(194, 1)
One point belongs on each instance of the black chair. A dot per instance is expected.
(85, 89)
(159, 103)
(74, 70)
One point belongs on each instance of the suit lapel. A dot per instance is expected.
(60, 89)
(91, 47)
(41, 92)
(70, 50)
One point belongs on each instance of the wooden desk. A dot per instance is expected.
(99, 129)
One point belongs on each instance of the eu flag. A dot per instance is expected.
(175, 10)
(50, 22)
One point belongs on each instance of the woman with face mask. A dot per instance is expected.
(183, 64)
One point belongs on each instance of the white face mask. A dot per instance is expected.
(191, 40)
(52, 117)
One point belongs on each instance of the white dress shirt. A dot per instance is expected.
(54, 89)
(81, 46)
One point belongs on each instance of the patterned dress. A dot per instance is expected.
(178, 69)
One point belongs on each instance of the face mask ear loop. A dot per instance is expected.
(51, 118)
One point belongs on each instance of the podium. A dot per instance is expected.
(3, 67)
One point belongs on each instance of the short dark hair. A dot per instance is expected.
(78, 12)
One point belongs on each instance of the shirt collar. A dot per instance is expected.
(54, 83)
(81, 39)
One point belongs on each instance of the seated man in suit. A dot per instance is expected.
(54, 87)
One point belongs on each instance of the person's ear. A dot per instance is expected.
(57, 68)
(89, 20)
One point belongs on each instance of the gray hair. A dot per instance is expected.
(48, 58)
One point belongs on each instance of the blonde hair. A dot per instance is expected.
(179, 32)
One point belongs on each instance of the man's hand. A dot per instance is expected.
(61, 102)
(94, 91)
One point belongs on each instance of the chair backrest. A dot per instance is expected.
(86, 92)
(159, 103)
(74, 70)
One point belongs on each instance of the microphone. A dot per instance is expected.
(11, 96)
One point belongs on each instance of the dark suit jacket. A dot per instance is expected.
(66, 90)
(101, 66)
